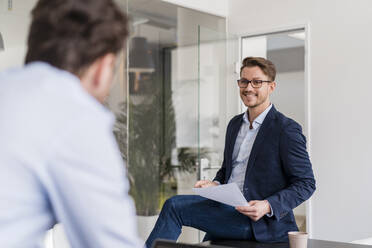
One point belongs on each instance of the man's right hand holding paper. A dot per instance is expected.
(205, 183)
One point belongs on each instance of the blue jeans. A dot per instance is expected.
(216, 219)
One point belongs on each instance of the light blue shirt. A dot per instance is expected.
(59, 162)
(243, 147)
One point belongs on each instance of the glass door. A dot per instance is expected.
(163, 128)
(217, 97)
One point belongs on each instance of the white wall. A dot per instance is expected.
(340, 86)
(14, 26)
(219, 7)
(288, 96)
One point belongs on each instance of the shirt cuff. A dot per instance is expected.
(271, 211)
(219, 183)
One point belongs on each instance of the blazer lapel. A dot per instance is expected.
(235, 127)
(265, 130)
(234, 134)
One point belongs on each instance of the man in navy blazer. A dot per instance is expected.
(265, 155)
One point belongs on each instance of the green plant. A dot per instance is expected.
(146, 133)
(151, 140)
(148, 151)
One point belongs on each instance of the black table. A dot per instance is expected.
(312, 243)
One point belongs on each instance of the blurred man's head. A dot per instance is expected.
(79, 36)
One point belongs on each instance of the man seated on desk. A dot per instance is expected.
(265, 154)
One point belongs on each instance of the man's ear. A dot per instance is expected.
(96, 80)
(272, 86)
(103, 70)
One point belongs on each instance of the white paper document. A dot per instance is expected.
(228, 194)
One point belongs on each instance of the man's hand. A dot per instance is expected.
(205, 183)
(255, 210)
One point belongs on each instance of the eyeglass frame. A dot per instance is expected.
(251, 82)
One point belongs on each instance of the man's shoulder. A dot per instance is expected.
(34, 70)
(286, 123)
(51, 100)
(235, 119)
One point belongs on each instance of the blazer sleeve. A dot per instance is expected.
(298, 170)
(220, 175)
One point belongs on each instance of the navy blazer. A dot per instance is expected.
(278, 170)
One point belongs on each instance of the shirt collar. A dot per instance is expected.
(74, 81)
(259, 120)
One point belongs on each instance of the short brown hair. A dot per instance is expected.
(267, 67)
(72, 34)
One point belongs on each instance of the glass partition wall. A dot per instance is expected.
(170, 101)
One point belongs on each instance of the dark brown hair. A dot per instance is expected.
(72, 34)
(267, 67)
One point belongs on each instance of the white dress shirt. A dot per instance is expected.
(59, 162)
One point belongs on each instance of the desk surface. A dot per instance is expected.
(313, 243)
